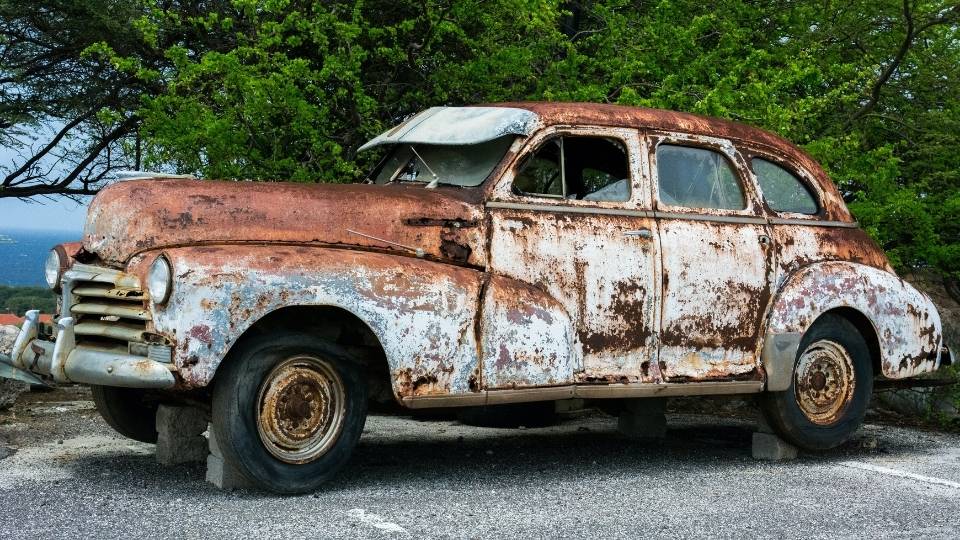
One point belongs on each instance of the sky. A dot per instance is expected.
(39, 213)
(58, 214)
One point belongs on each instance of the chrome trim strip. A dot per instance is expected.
(814, 223)
(754, 220)
(568, 209)
(711, 217)
(127, 312)
(584, 391)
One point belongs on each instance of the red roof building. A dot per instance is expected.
(15, 320)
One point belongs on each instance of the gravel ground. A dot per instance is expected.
(63, 473)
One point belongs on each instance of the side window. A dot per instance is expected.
(580, 168)
(783, 191)
(541, 174)
(697, 178)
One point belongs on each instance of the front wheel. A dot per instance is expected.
(288, 410)
(129, 411)
(830, 388)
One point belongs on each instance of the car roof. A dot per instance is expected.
(602, 114)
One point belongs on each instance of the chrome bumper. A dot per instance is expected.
(65, 361)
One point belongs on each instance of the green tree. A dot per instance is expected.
(289, 89)
(19, 299)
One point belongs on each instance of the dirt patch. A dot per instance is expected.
(48, 416)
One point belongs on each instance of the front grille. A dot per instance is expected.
(108, 307)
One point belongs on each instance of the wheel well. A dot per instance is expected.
(866, 329)
(339, 326)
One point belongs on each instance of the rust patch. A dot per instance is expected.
(201, 333)
(131, 217)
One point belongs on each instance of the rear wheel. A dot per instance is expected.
(288, 410)
(830, 388)
(129, 411)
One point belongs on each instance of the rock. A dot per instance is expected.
(918, 402)
(8, 334)
(10, 389)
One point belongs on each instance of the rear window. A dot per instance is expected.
(697, 178)
(782, 190)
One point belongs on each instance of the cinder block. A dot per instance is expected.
(174, 449)
(182, 421)
(769, 447)
(220, 473)
(568, 405)
(762, 425)
(213, 444)
(643, 419)
(180, 435)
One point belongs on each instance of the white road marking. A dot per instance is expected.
(376, 521)
(901, 474)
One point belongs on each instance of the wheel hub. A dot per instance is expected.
(301, 408)
(824, 382)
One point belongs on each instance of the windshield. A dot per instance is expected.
(460, 165)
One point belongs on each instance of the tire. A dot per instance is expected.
(128, 411)
(830, 388)
(288, 409)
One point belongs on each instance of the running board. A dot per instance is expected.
(583, 391)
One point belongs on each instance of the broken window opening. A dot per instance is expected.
(576, 168)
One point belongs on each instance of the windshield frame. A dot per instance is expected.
(416, 152)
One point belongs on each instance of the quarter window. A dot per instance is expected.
(697, 178)
(783, 191)
(580, 168)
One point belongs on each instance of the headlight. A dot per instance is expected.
(158, 280)
(51, 269)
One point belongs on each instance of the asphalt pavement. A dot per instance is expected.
(63, 473)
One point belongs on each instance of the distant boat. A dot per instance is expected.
(4, 239)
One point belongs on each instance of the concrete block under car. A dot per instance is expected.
(222, 474)
(769, 447)
(643, 419)
(180, 435)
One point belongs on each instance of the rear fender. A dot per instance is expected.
(905, 321)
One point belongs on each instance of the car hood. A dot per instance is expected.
(132, 217)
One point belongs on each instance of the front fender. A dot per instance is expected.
(422, 312)
(906, 322)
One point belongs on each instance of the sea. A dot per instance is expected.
(23, 252)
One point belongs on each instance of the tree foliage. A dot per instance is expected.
(284, 89)
(19, 299)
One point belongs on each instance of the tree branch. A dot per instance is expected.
(37, 156)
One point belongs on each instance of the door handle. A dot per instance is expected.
(639, 233)
(764, 240)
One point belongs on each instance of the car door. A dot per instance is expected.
(573, 254)
(716, 259)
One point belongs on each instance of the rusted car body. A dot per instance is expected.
(463, 295)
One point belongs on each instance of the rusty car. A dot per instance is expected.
(497, 254)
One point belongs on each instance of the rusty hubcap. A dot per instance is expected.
(301, 409)
(824, 382)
